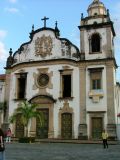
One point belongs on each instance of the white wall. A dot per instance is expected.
(102, 104)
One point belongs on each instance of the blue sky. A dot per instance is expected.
(18, 16)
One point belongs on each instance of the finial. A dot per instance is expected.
(10, 52)
(57, 30)
(56, 24)
(108, 15)
(44, 19)
(96, 1)
(33, 28)
(108, 12)
(81, 15)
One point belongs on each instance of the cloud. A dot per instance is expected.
(3, 34)
(12, 1)
(3, 52)
(12, 10)
(116, 20)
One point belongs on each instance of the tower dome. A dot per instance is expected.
(96, 8)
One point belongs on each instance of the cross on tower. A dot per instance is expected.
(44, 19)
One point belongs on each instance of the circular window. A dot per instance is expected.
(43, 80)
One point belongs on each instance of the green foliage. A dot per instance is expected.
(3, 105)
(27, 140)
(12, 118)
(27, 111)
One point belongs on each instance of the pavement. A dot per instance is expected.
(61, 151)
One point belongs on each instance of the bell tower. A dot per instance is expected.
(97, 71)
(96, 33)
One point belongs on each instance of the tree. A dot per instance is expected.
(27, 111)
(3, 107)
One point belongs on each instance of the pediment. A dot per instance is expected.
(42, 99)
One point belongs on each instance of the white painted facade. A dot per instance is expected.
(54, 92)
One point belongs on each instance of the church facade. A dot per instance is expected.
(74, 88)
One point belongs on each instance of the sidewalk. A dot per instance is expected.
(74, 141)
(70, 141)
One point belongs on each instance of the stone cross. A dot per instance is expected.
(44, 19)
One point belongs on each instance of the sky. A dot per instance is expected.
(18, 16)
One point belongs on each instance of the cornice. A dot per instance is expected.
(98, 25)
(72, 62)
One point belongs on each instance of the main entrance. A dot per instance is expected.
(97, 127)
(66, 125)
(42, 131)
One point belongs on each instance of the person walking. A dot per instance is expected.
(104, 138)
(8, 135)
(2, 146)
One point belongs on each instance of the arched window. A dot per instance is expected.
(95, 43)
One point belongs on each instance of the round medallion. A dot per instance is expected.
(43, 80)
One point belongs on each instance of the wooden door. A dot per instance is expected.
(19, 127)
(97, 127)
(42, 131)
(66, 126)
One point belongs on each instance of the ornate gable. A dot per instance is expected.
(45, 44)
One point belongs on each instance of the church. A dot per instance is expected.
(74, 87)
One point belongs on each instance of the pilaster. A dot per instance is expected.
(7, 95)
(111, 126)
(83, 125)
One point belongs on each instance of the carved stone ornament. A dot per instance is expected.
(43, 80)
(43, 46)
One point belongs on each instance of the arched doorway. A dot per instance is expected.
(45, 105)
(42, 131)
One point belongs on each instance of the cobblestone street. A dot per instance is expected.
(61, 151)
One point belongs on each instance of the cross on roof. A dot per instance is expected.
(44, 19)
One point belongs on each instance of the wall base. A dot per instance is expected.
(111, 129)
(83, 132)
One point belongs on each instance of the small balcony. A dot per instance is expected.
(96, 94)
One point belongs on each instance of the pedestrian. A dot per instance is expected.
(8, 135)
(104, 138)
(2, 146)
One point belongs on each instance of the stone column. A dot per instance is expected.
(7, 96)
(33, 128)
(83, 125)
(51, 127)
(108, 48)
(111, 126)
